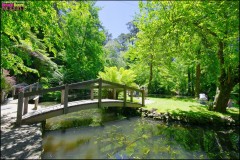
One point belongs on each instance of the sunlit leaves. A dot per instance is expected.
(182, 30)
(22, 43)
(82, 41)
(121, 76)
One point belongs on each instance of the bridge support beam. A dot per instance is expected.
(65, 99)
(19, 109)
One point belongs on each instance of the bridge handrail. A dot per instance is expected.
(30, 85)
(42, 91)
(75, 85)
(24, 89)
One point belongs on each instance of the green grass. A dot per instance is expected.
(182, 104)
(191, 110)
(173, 104)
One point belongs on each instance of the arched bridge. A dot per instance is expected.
(39, 115)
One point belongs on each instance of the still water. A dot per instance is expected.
(139, 138)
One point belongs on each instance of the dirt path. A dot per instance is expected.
(24, 142)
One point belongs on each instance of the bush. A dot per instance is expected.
(122, 76)
(7, 81)
(6, 84)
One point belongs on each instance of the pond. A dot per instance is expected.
(141, 138)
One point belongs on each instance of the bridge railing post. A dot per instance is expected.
(65, 99)
(100, 93)
(13, 92)
(36, 98)
(114, 93)
(19, 108)
(26, 99)
(92, 94)
(62, 96)
(143, 99)
(131, 96)
(124, 96)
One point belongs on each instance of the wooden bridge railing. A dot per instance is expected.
(24, 89)
(24, 97)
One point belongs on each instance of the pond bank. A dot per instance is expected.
(191, 117)
(23, 142)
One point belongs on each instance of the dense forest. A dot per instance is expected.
(184, 48)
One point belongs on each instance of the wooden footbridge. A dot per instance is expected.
(40, 115)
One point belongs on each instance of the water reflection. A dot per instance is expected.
(142, 139)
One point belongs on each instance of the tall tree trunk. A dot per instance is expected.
(198, 75)
(221, 98)
(227, 80)
(189, 82)
(192, 83)
(151, 74)
(197, 82)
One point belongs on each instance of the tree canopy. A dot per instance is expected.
(184, 48)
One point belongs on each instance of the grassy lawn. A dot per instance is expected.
(173, 104)
(182, 104)
(189, 108)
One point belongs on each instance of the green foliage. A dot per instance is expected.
(121, 76)
(83, 41)
(20, 43)
(114, 55)
(177, 37)
(6, 81)
(52, 42)
(51, 96)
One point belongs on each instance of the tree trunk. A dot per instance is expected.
(197, 82)
(192, 71)
(227, 80)
(221, 99)
(151, 74)
(189, 82)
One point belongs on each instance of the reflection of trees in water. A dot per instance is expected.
(216, 144)
(144, 140)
